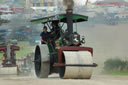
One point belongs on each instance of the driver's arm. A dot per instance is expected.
(42, 40)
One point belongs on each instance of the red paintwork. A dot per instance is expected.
(13, 48)
(59, 65)
(17, 9)
(111, 3)
(72, 48)
(100, 3)
(28, 31)
(3, 48)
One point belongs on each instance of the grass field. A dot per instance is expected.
(118, 73)
(1, 1)
(24, 51)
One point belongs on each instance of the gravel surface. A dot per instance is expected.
(55, 80)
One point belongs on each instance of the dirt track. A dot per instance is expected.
(54, 80)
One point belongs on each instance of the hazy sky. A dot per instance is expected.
(82, 2)
(92, 0)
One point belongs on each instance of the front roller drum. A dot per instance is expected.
(76, 58)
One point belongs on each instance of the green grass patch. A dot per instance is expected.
(117, 73)
(25, 50)
(120, 73)
(116, 67)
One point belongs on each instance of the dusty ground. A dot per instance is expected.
(54, 80)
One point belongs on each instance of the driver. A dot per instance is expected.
(44, 35)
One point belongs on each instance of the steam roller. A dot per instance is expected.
(63, 52)
(71, 62)
(8, 66)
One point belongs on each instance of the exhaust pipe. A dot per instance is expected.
(69, 13)
(69, 21)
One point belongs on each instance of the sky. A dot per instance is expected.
(82, 2)
(89, 1)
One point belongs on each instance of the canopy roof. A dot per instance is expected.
(60, 18)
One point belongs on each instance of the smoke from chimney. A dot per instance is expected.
(68, 3)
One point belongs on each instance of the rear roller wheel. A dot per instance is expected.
(41, 68)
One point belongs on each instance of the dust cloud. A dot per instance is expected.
(107, 41)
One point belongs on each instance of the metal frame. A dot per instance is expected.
(76, 65)
(71, 48)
